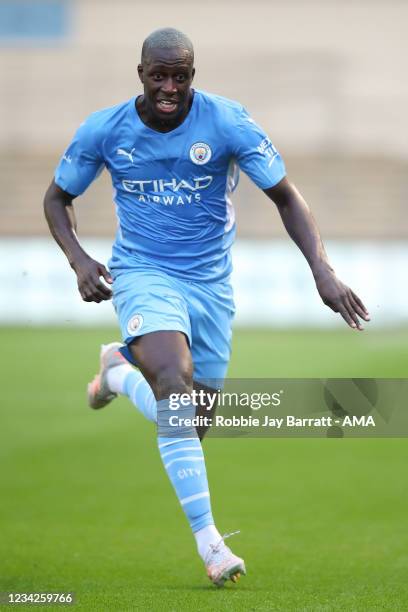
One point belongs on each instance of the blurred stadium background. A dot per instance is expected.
(325, 85)
(327, 80)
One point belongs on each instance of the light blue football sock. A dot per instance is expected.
(138, 390)
(183, 459)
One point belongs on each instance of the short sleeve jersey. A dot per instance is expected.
(173, 190)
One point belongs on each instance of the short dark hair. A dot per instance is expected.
(166, 38)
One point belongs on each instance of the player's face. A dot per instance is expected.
(166, 76)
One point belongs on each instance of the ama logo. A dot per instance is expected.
(351, 401)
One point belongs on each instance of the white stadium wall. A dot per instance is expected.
(273, 285)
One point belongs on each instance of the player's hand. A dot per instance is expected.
(341, 299)
(89, 274)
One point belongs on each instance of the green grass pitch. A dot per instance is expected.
(86, 507)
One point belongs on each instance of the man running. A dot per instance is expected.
(174, 155)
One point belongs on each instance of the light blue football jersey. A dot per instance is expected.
(172, 190)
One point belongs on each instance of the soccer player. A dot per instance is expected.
(173, 153)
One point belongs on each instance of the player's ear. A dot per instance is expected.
(140, 72)
(192, 73)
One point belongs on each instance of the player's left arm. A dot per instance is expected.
(302, 228)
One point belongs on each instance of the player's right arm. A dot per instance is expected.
(60, 216)
(81, 163)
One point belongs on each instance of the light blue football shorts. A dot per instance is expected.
(149, 300)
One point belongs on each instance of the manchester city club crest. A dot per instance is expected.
(200, 153)
(134, 324)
